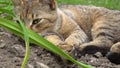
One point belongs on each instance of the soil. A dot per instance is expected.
(12, 50)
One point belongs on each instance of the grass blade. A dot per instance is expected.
(26, 43)
(3, 10)
(36, 39)
(5, 3)
(6, 8)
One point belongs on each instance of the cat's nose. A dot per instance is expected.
(28, 26)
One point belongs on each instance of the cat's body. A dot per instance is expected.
(76, 24)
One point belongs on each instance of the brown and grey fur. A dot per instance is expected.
(76, 24)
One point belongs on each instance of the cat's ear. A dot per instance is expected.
(19, 3)
(16, 2)
(22, 3)
(53, 5)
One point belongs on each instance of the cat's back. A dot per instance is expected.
(82, 8)
(90, 10)
(83, 15)
(87, 16)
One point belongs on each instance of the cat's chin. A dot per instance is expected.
(114, 57)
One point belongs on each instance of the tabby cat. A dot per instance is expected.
(87, 28)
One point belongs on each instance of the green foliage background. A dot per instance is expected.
(112, 4)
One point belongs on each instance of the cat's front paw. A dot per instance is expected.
(114, 54)
(68, 49)
(65, 47)
(53, 38)
(114, 57)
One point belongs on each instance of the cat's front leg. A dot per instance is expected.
(102, 37)
(75, 39)
(59, 42)
(54, 38)
(101, 44)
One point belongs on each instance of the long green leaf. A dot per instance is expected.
(36, 39)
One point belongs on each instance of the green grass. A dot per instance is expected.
(111, 4)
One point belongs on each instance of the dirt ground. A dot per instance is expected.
(12, 51)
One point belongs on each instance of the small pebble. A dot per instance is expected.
(98, 55)
(2, 45)
(30, 66)
(41, 65)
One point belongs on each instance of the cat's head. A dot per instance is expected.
(38, 15)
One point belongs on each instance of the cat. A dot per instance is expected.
(90, 29)
(52, 22)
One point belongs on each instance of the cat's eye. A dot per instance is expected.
(36, 21)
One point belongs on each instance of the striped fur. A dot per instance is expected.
(88, 28)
